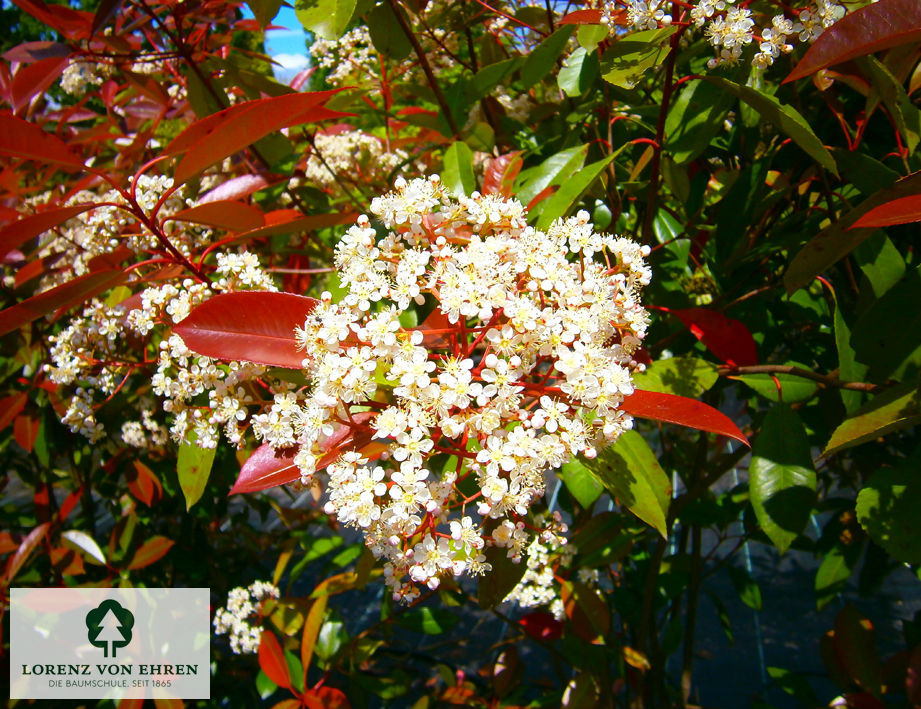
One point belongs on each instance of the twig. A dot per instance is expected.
(728, 371)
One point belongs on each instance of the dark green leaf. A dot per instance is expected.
(386, 33)
(782, 479)
(625, 61)
(492, 588)
(887, 507)
(570, 191)
(578, 73)
(694, 119)
(748, 590)
(543, 58)
(890, 411)
(431, 621)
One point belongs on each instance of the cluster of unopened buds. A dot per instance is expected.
(524, 354)
(241, 619)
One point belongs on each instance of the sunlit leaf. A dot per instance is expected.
(682, 411)
(194, 468)
(272, 660)
(892, 410)
(150, 552)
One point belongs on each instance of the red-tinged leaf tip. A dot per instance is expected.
(266, 468)
(899, 211)
(725, 337)
(864, 31)
(682, 411)
(22, 139)
(325, 698)
(582, 17)
(541, 625)
(272, 660)
(150, 552)
(254, 326)
(499, 176)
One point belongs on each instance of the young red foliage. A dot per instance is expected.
(22, 139)
(500, 174)
(272, 660)
(252, 326)
(150, 552)
(681, 410)
(879, 26)
(725, 337)
(14, 235)
(899, 211)
(223, 214)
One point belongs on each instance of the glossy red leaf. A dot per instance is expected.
(73, 24)
(25, 431)
(296, 278)
(22, 139)
(500, 174)
(255, 326)
(885, 24)
(14, 235)
(29, 52)
(683, 411)
(235, 188)
(34, 79)
(150, 552)
(725, 337)
(582, 17)
(541, 625)
(226, 132)
(144, 484)
(26, 547)
(69, 503)
(267, 468)
(223, 214)
(10, 407)
(62, 297)
(272, 660)
(325, 698)
(899, 211)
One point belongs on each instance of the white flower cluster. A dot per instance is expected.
(82, 74)
(729, 28)
(243, 616)
(545, 553)
(522, 364)
(351, 155)
(350, 57)
(93, 354)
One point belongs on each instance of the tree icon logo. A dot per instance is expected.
(109, 626)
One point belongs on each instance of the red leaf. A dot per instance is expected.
(19, 232)
(295, 280)
(144, 484)
(582, 17)
(64, 296)
(29, 81)
(226, 132)
(29, 52)
(253, 326)
(272, 660)
(69, 503)
(541, 625)
(728, 339)
(10, 407)
(26, 547)
(25, 431)
(288, 226)
(70, 23)
(885, 24)
(899, 211)
(223, 214)
(680, 410)
(22, 139)
(325, 698)
(501, 173)
(267, 468)
(236, 188)
(150, 552)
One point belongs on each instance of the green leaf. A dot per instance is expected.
(630, 472)
(194, 469)
(554, 170)
(723, 614)
(331, 637)
(867, 174)
(682, 376)
(431, 621)
(580, 482)
(782, 479)
(887, 507)
(883, 85)
(795, 685)
(837, 240)
(578, 73)
(540, 61)
(848, 368)
(264, 10)
(625, 61)
(326, 18)
(893, 410)
(81, 541)
(387, 34)
(590, 36)
(457, 175)
(793, 389)
(487, 78)
(887, 337)
(834, 571)
(880, 262)
(785, 118)
(749, 591)
(571, 190)
(694, 119)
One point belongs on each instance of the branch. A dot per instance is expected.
(426, 67)
(727, 371)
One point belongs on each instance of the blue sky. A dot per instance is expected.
(286, 45)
